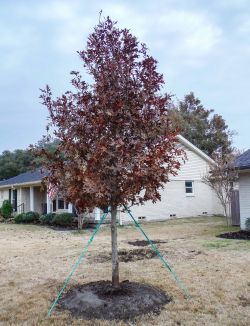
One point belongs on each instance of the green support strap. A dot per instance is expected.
(178, 281)
(77, 263)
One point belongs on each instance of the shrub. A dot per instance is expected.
(6, 209)
(47, 218)
(63, 219)
(247, 224)
(19, 218)
(30, 217)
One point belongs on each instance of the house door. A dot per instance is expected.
(14, 204)
(235, 207)
(44, 208)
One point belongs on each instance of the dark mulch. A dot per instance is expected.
(144, 243)
(245, 302)
(62, 228)
(73, 227)
(239, 235)
(126, 255)
(99, 300)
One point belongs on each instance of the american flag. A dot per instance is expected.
(52, 191)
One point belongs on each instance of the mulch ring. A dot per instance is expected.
(99, 300)
(239, 235)
(144, 243)
(126, 255)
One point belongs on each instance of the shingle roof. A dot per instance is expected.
(243, 161)
(30, 176)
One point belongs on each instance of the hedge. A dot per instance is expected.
(29, 217)
(63, 219)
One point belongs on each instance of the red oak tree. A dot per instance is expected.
(117, 145)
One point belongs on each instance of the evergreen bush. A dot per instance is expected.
(63, 219)
(47, 218)
(247, 224)
(29, 217)
(6, 209)
(19, 218)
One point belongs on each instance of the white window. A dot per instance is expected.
(189, 188)
(59, 203)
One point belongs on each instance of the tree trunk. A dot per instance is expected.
(226, 213)
(79, 220)
(115, 261)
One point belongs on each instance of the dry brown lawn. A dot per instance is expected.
(34, 262)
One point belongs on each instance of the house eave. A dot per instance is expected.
(244, 170)
(195, 149)
(23, 184)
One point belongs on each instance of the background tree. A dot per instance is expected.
(116, 143)
(220, 178)
(203, 128)
(14, 163)
(22, 160)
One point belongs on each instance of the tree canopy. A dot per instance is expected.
(202, 127)
(116, 143)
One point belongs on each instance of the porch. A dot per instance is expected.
(35, 198)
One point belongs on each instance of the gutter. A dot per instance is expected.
(15, 185)
(243, 169)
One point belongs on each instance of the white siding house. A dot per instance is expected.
(243, 164)
(184, 196)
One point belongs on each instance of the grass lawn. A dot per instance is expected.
(34, 262)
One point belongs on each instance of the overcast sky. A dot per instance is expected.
(201, 46)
